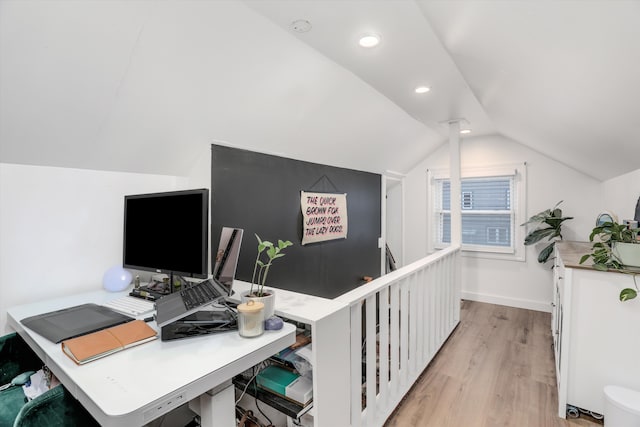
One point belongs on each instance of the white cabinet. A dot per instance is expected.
(561, 301)
(557, 310)
(329, 321)
(596, 337)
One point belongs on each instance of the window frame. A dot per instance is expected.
(517, 172)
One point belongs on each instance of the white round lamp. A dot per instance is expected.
(116, 279)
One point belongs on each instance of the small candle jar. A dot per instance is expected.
(250, 322)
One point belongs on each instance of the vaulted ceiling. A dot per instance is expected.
(143, 85)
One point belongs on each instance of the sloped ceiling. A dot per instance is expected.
(558, 76)
(142, 86)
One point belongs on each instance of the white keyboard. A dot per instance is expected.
(131, 306)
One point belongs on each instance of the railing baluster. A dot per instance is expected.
(413, 323)
(372, 354)
(394, 337)
(383, 367)
(420, 321)
(431, 304)
(404, 332)
(442, 277)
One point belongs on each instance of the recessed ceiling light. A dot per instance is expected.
(300, 26)
(423, 89)
(465, 131)
(369, 40)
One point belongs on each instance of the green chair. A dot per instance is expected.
(54, 408)
(15, 358)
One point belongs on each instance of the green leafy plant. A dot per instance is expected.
(603, 255)
(261, 268)
(549, 226)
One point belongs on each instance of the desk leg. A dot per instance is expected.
(218, 407)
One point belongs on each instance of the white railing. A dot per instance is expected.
(399, 321)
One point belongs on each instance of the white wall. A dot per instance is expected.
(62, 228)
(520, 284)
(620, 195)
(394, 222)
(200, 173)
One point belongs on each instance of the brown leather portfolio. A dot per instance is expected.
(95, 345)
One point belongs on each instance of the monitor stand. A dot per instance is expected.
(150, 292)
(156, 290)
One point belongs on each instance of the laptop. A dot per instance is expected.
(177, 305)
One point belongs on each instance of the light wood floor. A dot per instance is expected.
(496, 369)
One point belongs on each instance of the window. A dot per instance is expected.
(492, 210)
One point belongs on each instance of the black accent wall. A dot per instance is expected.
(260, 193)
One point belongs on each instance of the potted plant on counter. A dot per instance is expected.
(616, 248)
(257, 292)
(549, 226)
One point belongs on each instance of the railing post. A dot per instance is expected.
(356, 364)
(454, 166)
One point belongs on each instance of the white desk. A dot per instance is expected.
(135, 386)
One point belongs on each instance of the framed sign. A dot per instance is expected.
(324, 216)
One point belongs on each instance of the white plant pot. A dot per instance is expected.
(627, 253)
(269, 301)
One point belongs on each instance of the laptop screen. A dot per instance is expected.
(227, 255)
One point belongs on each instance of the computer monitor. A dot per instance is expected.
(167, 232)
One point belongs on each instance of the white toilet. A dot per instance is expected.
(622, 407)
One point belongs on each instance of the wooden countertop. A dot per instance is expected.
(571, 252)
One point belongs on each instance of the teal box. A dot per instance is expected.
(275, 379)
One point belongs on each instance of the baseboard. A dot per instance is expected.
(509, 302)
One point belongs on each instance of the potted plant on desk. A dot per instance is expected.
(257, 292)
(617, 248)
